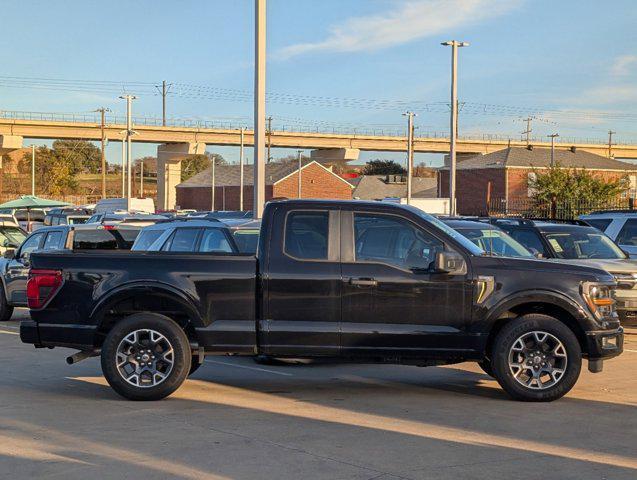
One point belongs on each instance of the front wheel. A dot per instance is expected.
(146, 356)
(536, 358)
(6, 311)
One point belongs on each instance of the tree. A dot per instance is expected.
(383, 167)
(575, 189)
(53, 173)
(80, 155)
(195, 164)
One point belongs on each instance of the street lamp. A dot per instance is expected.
(410, 152)
(454, 44)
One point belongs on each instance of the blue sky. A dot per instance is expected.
(532, 56)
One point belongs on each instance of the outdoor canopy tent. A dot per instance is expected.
(28, 202)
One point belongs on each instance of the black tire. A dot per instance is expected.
(486, 367)
(6, 310)
(173, 336)
(523, 327)
(194, 364)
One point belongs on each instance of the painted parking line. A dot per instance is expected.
(249, 368)
(9, 333)
(629, 350)
(10, 327)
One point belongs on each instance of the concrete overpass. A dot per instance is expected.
(177, 142)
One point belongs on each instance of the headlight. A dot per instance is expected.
(599, 299)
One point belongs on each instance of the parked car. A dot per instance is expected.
(245, 233)
(368, 281)
(489, 238)
(138, 219)
(11, 234)
(576, 242)
(15, 264)
(66, 216)
(618, 225)
(33, 217)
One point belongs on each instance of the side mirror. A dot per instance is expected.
(451, 263)
(9, 253)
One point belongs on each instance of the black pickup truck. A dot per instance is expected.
(360, 281)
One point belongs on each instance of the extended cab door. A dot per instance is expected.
(302, 283)
(394, 302)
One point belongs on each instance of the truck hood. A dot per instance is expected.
(611, 265)
(581, 272)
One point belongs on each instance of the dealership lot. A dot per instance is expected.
(235, 419)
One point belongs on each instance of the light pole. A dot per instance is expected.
(454, 44)
(124, 167)
(33, 170)
(259, 108)
(141, 178)
(212, 202)
(103, 111)
(300, 167)
(129, 133)
(241, 170)
(410, 152)
(553, 136)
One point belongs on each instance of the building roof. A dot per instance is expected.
(541, 157)
(375, 187)
(229, 175)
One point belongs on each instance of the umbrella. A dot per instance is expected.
(27, 202)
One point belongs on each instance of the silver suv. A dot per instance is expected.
(618, 225)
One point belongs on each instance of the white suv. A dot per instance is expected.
(620, 226)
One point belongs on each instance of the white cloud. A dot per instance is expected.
(411, 20)
(623, 65)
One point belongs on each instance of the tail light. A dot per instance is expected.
(42, 286)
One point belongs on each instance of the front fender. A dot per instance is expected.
(158, 289)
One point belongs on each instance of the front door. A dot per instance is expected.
(302, 288)
(394, 302)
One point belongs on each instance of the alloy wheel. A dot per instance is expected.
(145, 358)
(537, 360)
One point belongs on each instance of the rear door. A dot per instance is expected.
(394, 303)
(18, 270)
(303, 284)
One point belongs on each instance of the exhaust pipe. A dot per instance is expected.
(81, 355)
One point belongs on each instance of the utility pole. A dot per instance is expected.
(269, 138)
(300, 167)
(610, 143)
(241, 170)
(141, 178)
(163, 90)
(33, 170)
(528, 130)
(124, 167)
(212, 202)
(103, 111)
(129, 147)
(259, 107)
(553, 136)
(410, 152)
(453, 134)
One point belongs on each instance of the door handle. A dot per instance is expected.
(363, 282)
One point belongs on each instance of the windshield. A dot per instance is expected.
(11, 236)
(458, 237)
(583, 245)
(246, 240)
(495, 242)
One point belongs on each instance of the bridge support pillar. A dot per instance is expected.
(335, 156)
(169, 157)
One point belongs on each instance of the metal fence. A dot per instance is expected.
(556, 209)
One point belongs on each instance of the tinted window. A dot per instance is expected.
(146, 238)
(529, 238)
(599, 223)
(583, 245)
(76, 220)
(394, 240)
(182, 240)
(628, 233)
(55, 220)
(32, 243)
(495, 242)
(306, 235)
(33, 215)
(53, 241)
(97, 240)
(246, 240)
(214, 240)
(11, 236)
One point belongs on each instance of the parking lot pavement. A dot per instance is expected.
(238, 420)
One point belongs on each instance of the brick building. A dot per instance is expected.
(281, 180)
(507, 173)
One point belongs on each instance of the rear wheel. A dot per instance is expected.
(536, 358)
(6, 311)
(146, 357)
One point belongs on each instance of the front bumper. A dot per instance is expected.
(602, 344)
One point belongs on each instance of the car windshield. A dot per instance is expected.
(582, 245)
(246, 240)
(11, 236)
(495, 242)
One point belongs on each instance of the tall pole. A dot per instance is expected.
(528, 130)
(410, 152)
(141, 178)
(553, 136)
(129, 144)
(300, 167)
(259, 108)
(124, 167)
(453, 127)
(241, 170)
(213, 185)
(33, 170)
(103, 111)
(163, 103)
(269, 138)
(610, 143)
